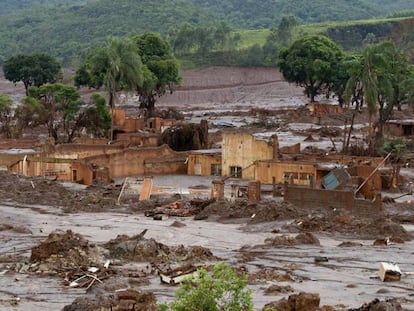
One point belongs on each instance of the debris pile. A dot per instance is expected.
(300, 239)
(62, 252)
(137, 248)
(349, 225)
(263, 211)
(72, 257)
(377, 305)
(178, 208)
(296, 302)
(131, 300)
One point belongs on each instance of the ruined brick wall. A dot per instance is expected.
(318, 109)
(394, 129)
(175, 166)
(82, 173)
(253, 191)
(131, 161)
(61, 170)
(201, 164)
(331, 199)
(266, 170)
(79, 151)
(136, 139)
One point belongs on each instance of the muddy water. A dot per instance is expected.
(349, 277)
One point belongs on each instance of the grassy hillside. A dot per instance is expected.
(67, 28)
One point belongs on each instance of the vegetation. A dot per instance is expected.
(31, 69)
(5, 116)
(311, 62)
(60, 108)
(383, 79)
(144, 64)
(160, 68)
(63, 22)
(223, 289)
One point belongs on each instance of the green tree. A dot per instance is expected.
(384, 77)
(117, 67)
(161, 69)
(6, 115)
(59, 105)
(310, 62)
(222, 290)
(60, 108)
(32, 69)
(96, 118)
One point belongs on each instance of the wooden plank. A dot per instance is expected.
(146, 189)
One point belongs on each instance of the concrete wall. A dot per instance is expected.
(309, 198)
(200, 163)
(243, 149)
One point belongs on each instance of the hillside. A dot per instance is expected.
(66, 28)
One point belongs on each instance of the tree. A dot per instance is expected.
(223, 289)
(310, 63)
(32, 69)
(383, 75)
(60, 108)
(5, 116)
(117, 67)
(96, 118)
(161, 69)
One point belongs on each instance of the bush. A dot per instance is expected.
(221, 290)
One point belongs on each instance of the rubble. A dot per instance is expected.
(377, 305)
(295, 302)
(138, 248)
(126, 300)
(303, 238)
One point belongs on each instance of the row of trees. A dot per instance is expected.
(143, 64)
(54, 106)
(57, 108)
(380, 77)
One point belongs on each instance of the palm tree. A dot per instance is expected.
(373, 75)
(124, 70)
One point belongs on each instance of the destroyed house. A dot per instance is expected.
(126, 124)
(240, 151)
(355, 189)
(83, 164)
(205, 162)
(400, 128)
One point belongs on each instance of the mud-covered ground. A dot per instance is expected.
(51, 234)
